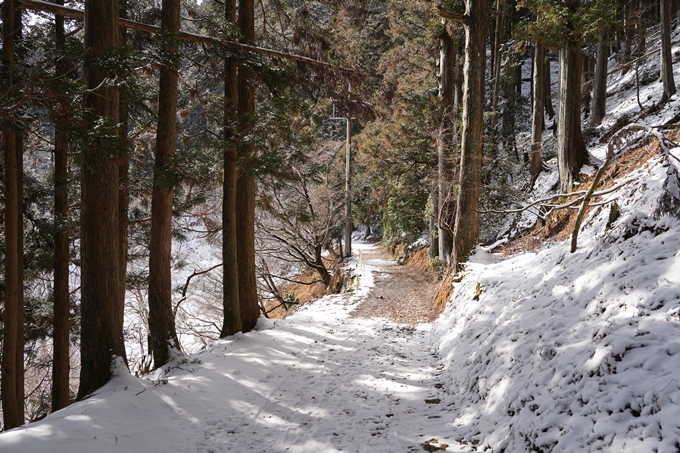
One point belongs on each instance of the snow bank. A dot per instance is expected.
(574, 352)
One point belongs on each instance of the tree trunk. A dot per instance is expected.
(230, 282)
(161, 320)
(571, 149)
(666, 57)
(466, 229)
(642, 20)
(628, 33)
(13, 341)
(123, 169)
(348, 187)
(497, 63)
(445, 141)
(547, 100)
(102, 320)
(60, 360)
(599, 109)
(245, 203)
(535, 157)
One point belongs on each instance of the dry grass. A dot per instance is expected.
(444, 293)
(306, 291)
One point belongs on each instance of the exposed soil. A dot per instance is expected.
(402, 294)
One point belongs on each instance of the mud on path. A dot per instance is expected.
(402, 294)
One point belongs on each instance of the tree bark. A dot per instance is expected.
(666, 57)
(571, 149)
(245, 203)
(547, 100)
(466, 230)
(123, 169)
(230, 282)
(445, 142)
(161, 320)
(13, 341)
(60, 360)
(599, 109)
(102, 320)
(497, 63)
(348, 187)
(537, 118)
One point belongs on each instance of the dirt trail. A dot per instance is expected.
(402, 294)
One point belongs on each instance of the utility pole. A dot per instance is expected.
(348, 203)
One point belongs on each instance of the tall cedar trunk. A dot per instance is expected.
(547, 100)
(123, 169)
(161, 321)
(571, 149)
(466, 229)
(599, 108)
(230, 282)
(60, 360)
(13, 344)
(245, 193)
(497, 63)
(102, 320)
(666, 57)
(535, 157)
(445, 142)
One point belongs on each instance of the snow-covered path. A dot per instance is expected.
(319, 381)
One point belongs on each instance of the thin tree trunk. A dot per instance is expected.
(348, 189)
(628, 33)
(547, 100)
(599, 109)
(535, 157)
(433, 250)
(571, 149)
(245, 203)
(13, 341)
(466, 229)
(102, 321)
(161, 321)
(230, 282)
(643, 16)
(497, 63)
(666, 57)
(60, 360)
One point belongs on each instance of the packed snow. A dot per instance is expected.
(318, 381)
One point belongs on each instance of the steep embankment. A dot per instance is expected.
(567, 352)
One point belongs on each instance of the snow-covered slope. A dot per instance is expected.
(574, 352)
